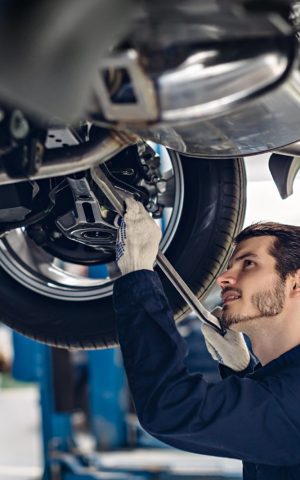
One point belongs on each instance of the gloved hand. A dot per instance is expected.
(138, 239)
(230, 350)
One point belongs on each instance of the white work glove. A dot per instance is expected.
(230, 350)
(138, 239)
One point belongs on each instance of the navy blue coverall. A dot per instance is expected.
(252, 415)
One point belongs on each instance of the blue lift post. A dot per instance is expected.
(108, 399)
(56, 426)
(33, 363)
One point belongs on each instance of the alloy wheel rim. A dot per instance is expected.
(33, 267)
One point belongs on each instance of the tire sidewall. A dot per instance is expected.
(213, 211)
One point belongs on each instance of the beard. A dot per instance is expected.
(267, 304)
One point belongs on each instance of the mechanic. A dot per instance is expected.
(253, 413)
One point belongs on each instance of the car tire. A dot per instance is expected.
(213, 212)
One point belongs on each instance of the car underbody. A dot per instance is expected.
(167, 102)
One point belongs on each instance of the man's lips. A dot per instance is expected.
(230, 296)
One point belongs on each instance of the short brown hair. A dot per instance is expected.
(286, 246)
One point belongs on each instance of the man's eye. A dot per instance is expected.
(248, 263)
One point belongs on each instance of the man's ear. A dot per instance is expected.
(296, 284)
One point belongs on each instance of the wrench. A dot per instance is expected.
(194, 303)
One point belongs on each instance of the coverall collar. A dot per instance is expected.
(287, 359)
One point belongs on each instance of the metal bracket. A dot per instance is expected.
(85, 224)
(145, 107)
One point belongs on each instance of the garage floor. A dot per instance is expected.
(20, 448)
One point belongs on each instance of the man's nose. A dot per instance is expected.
(226, 278)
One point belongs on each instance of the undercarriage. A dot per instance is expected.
(166, 103)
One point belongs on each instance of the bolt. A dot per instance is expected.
(55, 235)
(128, 171)
(151, 207)
(158, 213)
(161, 186)
(39, 150)
(19, 126)
(154, 178)
(39, 236)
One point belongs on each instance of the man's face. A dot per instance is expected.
(251, 287)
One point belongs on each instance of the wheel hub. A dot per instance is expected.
(58, 268)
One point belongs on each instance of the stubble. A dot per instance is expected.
(267, 304)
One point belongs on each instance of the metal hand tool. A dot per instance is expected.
(194, 303)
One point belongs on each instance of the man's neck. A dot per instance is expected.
(271, 337)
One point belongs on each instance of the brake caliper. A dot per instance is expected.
(92, 220)
(87, 222)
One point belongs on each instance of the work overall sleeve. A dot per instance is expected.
(227, 372)
(237, 417)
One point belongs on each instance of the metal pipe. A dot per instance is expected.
(78, 158)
